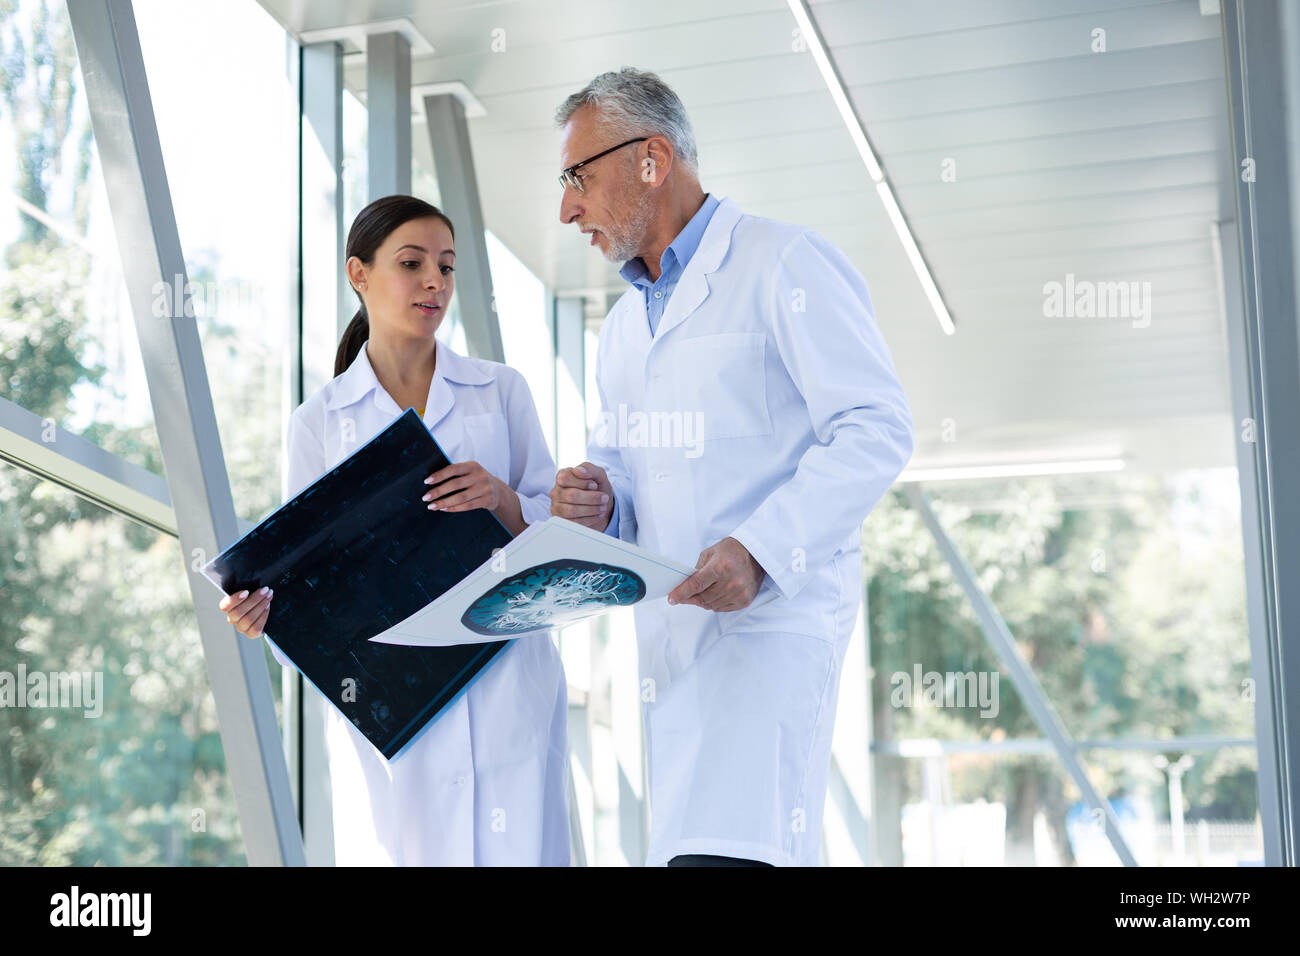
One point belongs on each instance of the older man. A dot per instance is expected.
(751, 418)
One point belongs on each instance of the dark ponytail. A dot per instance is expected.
(372, 226)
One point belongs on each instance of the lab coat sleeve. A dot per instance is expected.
(532, 469)
(304, 463)
(840, 364)
(603, 450)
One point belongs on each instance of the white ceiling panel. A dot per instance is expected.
(1110, 166)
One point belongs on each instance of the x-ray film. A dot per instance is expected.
(354, 554)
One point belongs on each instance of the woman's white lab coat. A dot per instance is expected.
(486, 783)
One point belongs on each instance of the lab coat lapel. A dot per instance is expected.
(441, 396)
(693, 287)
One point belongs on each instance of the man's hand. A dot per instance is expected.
(726, 578)
(583, 494)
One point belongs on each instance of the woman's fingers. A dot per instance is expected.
(235, 604)
(248, 624)
(442, 474)
(448, 487)
(259, 622)
(242, 610)
(230, 601)
(466, 500)
(242, 621)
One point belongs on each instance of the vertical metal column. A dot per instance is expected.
(458, 187)
(1264, 99)
(327, 300)
(1227, 247)
(1004, 645)
(126, 135)
(388, 106)
(570, 382)
(327, 307)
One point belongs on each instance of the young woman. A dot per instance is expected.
(486, 783)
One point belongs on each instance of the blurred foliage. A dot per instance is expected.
(1124, 593)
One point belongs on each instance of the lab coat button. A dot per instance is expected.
(460, 781)
(661, 476)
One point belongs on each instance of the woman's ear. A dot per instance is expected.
(356, 273)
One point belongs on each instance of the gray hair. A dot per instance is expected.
(636, 103)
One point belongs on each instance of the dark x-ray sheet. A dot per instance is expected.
(349, 557)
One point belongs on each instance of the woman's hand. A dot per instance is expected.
(467, 485)
(248, 611)
(464, 486)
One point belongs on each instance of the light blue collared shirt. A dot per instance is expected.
(657, 293)
(671, 264)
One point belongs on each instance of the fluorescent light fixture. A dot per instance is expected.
(840, 95)
(914, 256)
(1010, 470)
(808, 30)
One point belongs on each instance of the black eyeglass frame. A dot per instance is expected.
(568, 175)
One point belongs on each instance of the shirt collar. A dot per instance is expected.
(679, 251)
(359, 379)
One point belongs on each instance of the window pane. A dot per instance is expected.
(128, 768)
(68, 349)
(1125, 594)
(230, 143)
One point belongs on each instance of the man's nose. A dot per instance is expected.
(570, 207)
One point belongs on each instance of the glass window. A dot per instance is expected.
(68, 348)
(1125, 594)
(230, 143)
(122, 764)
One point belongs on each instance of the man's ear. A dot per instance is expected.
(657, 161)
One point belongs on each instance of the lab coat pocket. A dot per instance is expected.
(487, 441)
(721, 384)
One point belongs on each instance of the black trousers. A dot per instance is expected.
(699, 859)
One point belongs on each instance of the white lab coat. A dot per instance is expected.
(770, 343)
(486, 784)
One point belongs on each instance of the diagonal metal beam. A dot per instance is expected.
(1004, 645)
(126, 136)
(38, 446)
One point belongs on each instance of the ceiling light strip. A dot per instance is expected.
(857, 132)
(1012, 470)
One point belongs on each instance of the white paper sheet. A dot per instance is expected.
(555, 573)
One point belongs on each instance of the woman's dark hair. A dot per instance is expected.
(372, 226)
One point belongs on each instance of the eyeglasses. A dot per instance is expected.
(568, 175)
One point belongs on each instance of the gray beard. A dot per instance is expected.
(625, 243)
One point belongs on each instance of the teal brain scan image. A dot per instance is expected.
(552, 595)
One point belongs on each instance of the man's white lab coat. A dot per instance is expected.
(765, 408)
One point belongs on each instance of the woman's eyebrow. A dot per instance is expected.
(411, 245)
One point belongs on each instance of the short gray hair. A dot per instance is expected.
(636, 103)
